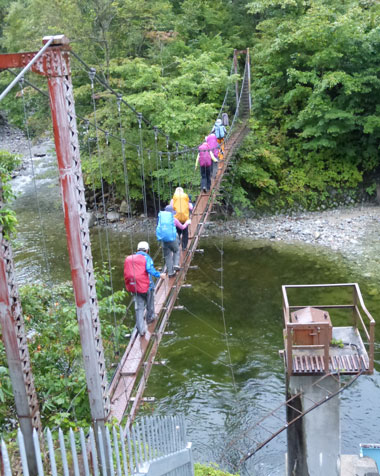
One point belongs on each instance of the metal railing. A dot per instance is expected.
(155, 446)
(357, 306)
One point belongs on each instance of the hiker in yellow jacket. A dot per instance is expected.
(182, 206)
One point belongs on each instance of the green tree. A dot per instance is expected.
(8, 221)
(315, 85)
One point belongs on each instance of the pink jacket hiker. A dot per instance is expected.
(204, 155)
(212, 142)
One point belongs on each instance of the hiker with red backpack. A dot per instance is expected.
(182, 206)
(138, 272)
(205, 158)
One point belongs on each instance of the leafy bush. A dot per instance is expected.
(212, 470)
(8, 163)
(55, 351)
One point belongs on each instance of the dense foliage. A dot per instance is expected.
(169, 59)
(315, 86)
(55, 351)
(315, 81)
(212, 470)
(8, 163)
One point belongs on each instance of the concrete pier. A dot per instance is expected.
(314, 440)
(353, 465)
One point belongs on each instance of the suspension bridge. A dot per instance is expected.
(118, 399)
(107, 401)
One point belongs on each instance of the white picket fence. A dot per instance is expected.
(155, 446)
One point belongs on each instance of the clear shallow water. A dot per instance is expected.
(197, 379)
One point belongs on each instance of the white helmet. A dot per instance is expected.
(218, 122)
(143, 246)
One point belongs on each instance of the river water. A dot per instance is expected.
(197, 380)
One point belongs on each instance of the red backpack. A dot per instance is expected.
(204, 155)
(135, 276)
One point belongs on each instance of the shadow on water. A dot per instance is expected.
(197, 379)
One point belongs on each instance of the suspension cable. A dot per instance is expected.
(107, 86)
(26, 69)
(123, 142)
(91, 76)
(152, 183)
(157, 166)
(94, 193)
(42, 231)
(223, 313)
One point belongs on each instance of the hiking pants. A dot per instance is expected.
(183, 236)
(221, 148)
(214, 168)
(205, 177)
(171, 254)
(144, 301)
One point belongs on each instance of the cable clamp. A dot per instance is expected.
(91, 75)
(118, 100)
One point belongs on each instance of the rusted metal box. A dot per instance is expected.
(311, 335)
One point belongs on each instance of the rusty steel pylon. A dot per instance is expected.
(16, 349)
(54, 64)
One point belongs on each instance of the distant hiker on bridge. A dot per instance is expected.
(166, 232)
(205, 158)
(138, 272)
(212, 142)
(182, 206)
(220, 131)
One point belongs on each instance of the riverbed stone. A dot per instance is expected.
(91, 219)
(113, 217)
(123, 207)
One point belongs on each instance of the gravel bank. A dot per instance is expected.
(353, 232)
(13, 140)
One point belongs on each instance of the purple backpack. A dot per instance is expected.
(204, 155)
(212, 143)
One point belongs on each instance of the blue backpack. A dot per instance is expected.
(166, 230)
(219, 131)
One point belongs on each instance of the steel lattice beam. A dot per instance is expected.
(16, 348)
(55, 65)
(57, 69)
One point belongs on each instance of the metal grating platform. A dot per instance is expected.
(351, 358)
(343, 364)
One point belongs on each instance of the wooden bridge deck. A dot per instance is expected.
(133, 370)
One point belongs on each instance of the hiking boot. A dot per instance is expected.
(171, 275)
(176, 268)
